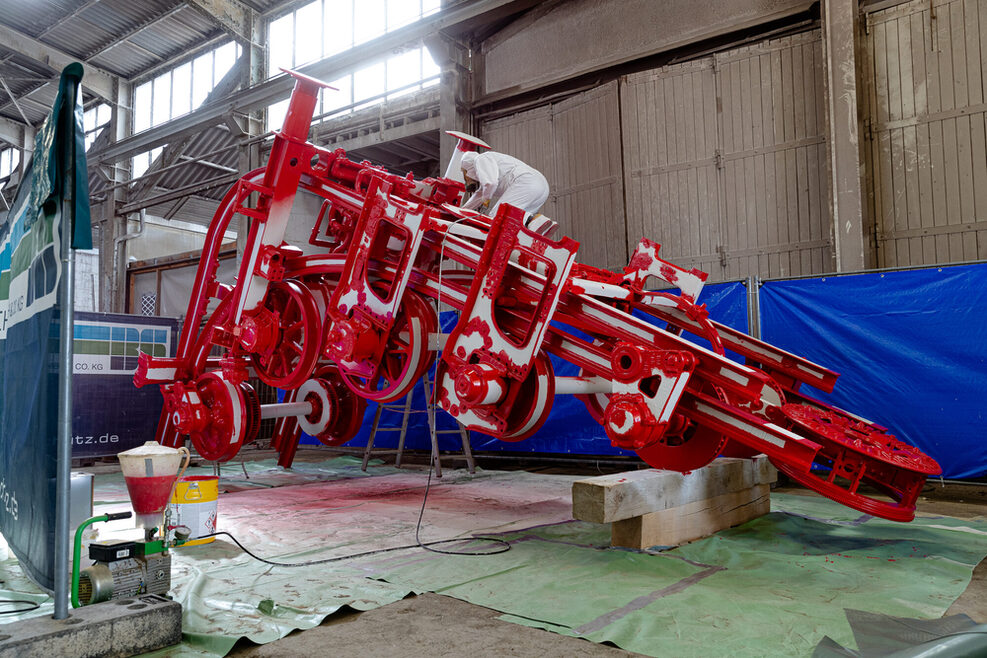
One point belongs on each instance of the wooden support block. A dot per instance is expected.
(621, 496)
(695, 520)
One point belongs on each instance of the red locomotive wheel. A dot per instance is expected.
(534, 401)
(526, 414)
(351, 408)
(856, 456)
(687, 445)
(253, 412)
(229, 418)
(406, 354)
(299, 334)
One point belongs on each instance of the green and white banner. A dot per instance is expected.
(30, 272)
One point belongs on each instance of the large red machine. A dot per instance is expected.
(357, 321)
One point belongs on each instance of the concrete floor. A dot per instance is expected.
(436, 625)
(426, 625)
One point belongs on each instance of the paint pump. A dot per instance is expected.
(128, 568)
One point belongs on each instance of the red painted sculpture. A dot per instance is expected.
(357, 322)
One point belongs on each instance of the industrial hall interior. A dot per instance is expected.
(553, 328)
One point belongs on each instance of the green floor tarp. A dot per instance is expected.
(772, 587)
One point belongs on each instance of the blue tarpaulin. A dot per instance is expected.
(911, 347)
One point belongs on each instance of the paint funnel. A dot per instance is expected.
(150, 472)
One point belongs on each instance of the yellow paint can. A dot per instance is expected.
(194, 504)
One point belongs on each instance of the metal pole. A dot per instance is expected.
(753, 285)
(66, 297)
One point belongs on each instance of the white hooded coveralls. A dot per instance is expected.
(504, 179)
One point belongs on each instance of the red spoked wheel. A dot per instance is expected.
(406, 354)
(856, 454)
(533, 402)
(686, 445)
(253, 412)
(295, 339)
(327, 391)
(229, 414)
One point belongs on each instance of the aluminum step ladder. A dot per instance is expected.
(406, 410)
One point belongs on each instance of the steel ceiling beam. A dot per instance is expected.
(381, 138)
(279, 87)
(96, 80)
(231, 15)
(11, 131)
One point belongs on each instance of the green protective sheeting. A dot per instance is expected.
(226, 595)
(774, 586)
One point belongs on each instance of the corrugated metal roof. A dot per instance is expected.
(30, 82)
(125, 37)
(33, 16)
(204, 143)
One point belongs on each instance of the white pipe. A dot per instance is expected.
(117, 241)
(285, 409)
(582, 385)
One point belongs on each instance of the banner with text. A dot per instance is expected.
(31, 235)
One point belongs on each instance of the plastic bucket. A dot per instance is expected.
(194, 504)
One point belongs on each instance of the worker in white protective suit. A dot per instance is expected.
(503, 179)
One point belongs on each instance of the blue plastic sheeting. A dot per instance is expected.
(911, 347)
(569, 428)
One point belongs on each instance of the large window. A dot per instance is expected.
(94, 120)
(177, 92)
(326, 27)
(9, 159)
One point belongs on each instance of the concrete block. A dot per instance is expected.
(124, 627)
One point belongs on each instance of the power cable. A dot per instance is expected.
(33, 605)
(504, 544)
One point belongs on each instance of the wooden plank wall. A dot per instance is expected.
(926, 147)
(776, 212)
(528, 136)
(670, 139)
(576, 144)
(725, 160)
(589, 199)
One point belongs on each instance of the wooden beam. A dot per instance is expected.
(679, 525)
(621, 496)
